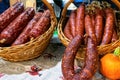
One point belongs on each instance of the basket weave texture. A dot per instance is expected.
(103, 49)
(33, 48)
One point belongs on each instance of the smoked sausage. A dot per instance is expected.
(41, 26)
(10, 14)
(67, 30)
(24, 36)
(72, 22)
(99, 26)
(11, 32)
(108, 30)
(80, 15)
(91, 56)
(114, 36)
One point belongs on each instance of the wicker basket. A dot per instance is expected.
(31, 49)
(65, 41)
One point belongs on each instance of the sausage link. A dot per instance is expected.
(93, 20)
(91, 59)
(99, 26)
(69, 56)
(114, 36)
(67, 30)
(80, 20)
(89, 28)
(24, 37)
(108, 30)
(41, 26)
(72, 22)
(10, 14)
(12, 31)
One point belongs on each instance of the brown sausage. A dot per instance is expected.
(11, 32)
(10, 14)
(93, 20)
(69, 56)
(72, 22)
(91, 59)
(41, 26)
(80, 20)
(67, 30)
(108, 30)
(89, 27)
(114, 36)
(99, 26)
(24, 37)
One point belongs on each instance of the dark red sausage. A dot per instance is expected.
(80, 20)
(89, 27)
(91, 59)
(10, 14)
(115, 37)
(11, 32)
(67, 30)
(41, 26)
(93, 20)
(24, 36)
(99, 26)
(72, 22)
(108, 30)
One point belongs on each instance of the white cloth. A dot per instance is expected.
(48, 74)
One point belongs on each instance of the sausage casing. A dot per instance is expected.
(11, 32)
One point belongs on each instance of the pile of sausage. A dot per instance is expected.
(103, 22)
(19, 25)
(99, 30)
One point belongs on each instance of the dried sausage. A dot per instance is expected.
(91, 59)
(41, 26)
(67, 30)
(72, 22)
(24, 36)
(99, 26)
(11, 32)
(108, 30)
(80, 15)
(114, 36)
(10, 14)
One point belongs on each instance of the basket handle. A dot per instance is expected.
(65, 8)
(116, 2)
(51, 10)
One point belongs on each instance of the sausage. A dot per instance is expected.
(72, 22)
(93, 20)
(41, 26)
(91, 58)
(10, 14)
(69, 56)
(114, 36)
(67, 30)
(108, 30)
(89, 27)
(24, 37)
(80, 15)
(12, 31)
(99, 26)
